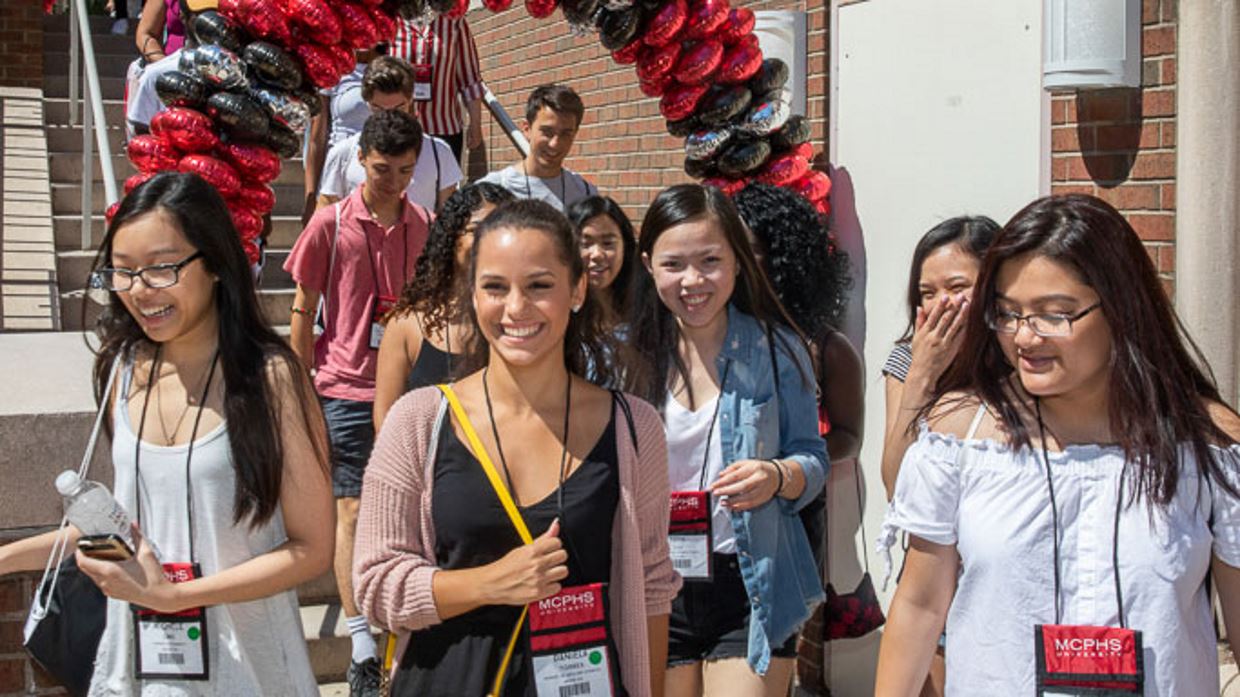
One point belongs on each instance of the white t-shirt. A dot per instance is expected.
(561, 191)
(686, 445)
(347, 108)
(144, 101)
(993, 504)
(435, 170)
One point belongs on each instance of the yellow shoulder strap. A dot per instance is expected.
(510, 506)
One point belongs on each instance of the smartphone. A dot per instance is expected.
(107, 547)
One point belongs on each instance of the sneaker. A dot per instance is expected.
(363, 678)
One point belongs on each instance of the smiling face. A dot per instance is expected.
(694, 271)
(1078, 364)
(947, 271)
(551, 136)
(523, 295)
(602, 250)
(185, 311)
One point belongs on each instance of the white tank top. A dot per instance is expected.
(686, 447)
(256, 648)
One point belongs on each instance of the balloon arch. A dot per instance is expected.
(238, 102)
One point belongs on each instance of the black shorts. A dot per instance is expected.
(710, 619)
(351, 428)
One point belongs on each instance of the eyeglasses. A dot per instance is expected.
(1045, 324)
(153, 276)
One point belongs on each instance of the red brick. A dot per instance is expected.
(1170, 10)
(1065, 139)
(1160, 102)
(1120, 105)
(1151, 12)
(1168, 134)
(13, 675)
(1157, 41)
(1166, 259)
(1167, 197)
(1156, 165)
(13, 592)
(1153, 226)
(1169, 69)
(1113, 138)
(1065, 189)
(1128, 197)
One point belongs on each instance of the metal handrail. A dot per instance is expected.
(93, 118)
(510, 127)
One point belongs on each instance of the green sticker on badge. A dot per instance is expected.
(193, 633)
(596, 657)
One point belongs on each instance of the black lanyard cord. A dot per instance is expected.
(499, 447)
(529, 192)
(370, 256)
(1119, 504)
(710, 430)
(189, 456)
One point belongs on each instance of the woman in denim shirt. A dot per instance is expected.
(735, 385)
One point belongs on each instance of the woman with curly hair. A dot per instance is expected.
(427, 322)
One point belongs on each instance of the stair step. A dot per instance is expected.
(56, 112)
(67, 198)
(56, 63)
(334, 689)
(276, 304)
(99, 24)
(66, 168)
(69, 139)
(105, 44)
(67, 228)
(111, 86)
(71, 305)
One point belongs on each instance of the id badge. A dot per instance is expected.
(1076, 659)
(382, 306)
(569, 644)
(689, 535)
(172, 646)
(422, 82)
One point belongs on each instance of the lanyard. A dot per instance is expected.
(529, 193)
(710, 430)
(370, 256)
(137, 450)
(499, 447)
(1119, 502)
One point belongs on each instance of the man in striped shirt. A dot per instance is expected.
(445, 64)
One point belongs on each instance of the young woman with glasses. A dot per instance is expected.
(219, 452)
(1078, 468)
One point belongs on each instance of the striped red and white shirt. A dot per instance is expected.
(448, 46)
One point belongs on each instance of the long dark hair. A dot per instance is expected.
(587, 343)
(1160, 383)
(435, 287)
(973, 233)
(809, 273)
(655, 333)
(590, 207)
(248, 348)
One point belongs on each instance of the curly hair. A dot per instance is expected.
(809, 271)
(434, 289)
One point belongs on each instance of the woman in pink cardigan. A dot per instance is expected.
(575, 593)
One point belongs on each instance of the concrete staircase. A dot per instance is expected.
(324, 627)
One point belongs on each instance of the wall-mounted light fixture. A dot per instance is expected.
(1091, 44)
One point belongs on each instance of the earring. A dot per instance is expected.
(576, 308)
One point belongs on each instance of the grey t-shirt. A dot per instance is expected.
(560, 191)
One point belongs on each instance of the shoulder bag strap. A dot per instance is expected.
(628, 418)
(510, 507)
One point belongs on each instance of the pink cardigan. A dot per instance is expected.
(394, 559)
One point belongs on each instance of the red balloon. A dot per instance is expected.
(150, 153)
(783, 169)
(253, 161)
(497, 5)
(731, 187)
(187, 129)
(255, 197)
(657, 62)
(813, 186)
(110, 213)
(679, 101)
(739, 24)
(666, 24)
(740, 62)
(698, 62)
(385, 24)
(342, 55)
(540, 9)
(372, 3)
(318, 63)
(459, 9)
(823, 205)
(705, 17)
(804, 150)
(214, 171)
(657, 86)
(137, 180)
(231, 8)
(317, 17)
(359, 29)
(629, 53)
(265, 19)
(248, 223)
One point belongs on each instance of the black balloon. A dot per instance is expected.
(242, 117)
(796, 130)
(272, 65)
(284, 107)
(616, 28)
(213, 28)
(683, 127)
(283, 141)
(312, 100)
(442, 6)
(580, 13)
(722, 104)
(651, 6)
(742, 157)
(700, 169)
(175, 88)
(770, 77)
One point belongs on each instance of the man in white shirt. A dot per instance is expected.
(388, 84)
(553, 114)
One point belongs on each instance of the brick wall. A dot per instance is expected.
(18, 674)
(1119, 144)
(21, 43)
(623, 146)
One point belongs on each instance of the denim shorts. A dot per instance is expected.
(351, 428)
(710, 619)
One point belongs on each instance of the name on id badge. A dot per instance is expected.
(1076, 659)
(569, 643)
(689, 535)
(422, 82)
(174, 645)
(383, 305)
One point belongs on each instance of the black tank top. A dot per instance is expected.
(433, 367)
(460, 657)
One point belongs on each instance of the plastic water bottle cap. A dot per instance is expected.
(67, 482)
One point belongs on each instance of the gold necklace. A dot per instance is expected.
(159, 409)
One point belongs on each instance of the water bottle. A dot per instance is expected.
(92, 509)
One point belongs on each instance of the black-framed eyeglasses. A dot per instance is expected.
(1044, 324)
(153, 276)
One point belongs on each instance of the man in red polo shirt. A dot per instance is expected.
(356, 255)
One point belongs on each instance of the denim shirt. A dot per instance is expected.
(776, 561)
